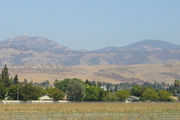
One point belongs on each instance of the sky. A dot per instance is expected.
(91, 24)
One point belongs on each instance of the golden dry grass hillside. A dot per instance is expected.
(111, 73)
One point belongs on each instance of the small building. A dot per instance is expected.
(10, 101)
(45, 98)
(133, 99)
(174, 98)
(104, 87)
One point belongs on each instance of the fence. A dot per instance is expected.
(33, 101)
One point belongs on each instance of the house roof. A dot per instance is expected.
(133, 98)
(45, 97)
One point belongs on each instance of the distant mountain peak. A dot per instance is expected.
(29, 38)
(29, 43)
(153, 44)
(21, 37)
(149, 41)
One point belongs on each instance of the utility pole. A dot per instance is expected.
(17, 92)
(83, 94)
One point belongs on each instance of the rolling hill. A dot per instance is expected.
(38, 59)
(25, 50)
(166, 73)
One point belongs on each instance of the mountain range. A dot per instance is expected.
(25, 50)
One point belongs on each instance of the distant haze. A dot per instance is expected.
(92, 24)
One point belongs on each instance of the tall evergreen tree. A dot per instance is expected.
(15, 80)
(116, 88)
(5, 76)
(5, 73)
(108, 88)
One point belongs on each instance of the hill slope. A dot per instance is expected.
(25, 50)
(166, 73)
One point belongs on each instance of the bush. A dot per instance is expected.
(55, 93)
(2, 92)
(29, 92)
(137, 91)
(13, 92)
(122, 95)
(91, 94)
(62, 85)
(164, 95)
(150, 94)
(110, 97)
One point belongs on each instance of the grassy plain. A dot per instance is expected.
(91, 111)
(108, 73)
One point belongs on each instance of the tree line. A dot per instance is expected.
(97, 92)
(77, 90)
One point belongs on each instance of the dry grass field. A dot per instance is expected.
(91, 111)
(109, 73)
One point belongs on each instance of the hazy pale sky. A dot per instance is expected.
(91, 24)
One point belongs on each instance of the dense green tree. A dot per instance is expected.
(41, 90)
(13, 92)
(174, 90)
(93, 83)
(75, 90)
(101, 93)
(62, 85)
(177, 83)
(5, 73)
(150, 94)
(116, 88)
(122, 95)
(5, 77)
(29, 92)
(110, 97)
(94, 93)
(55, 93)
(137, 91)
(16, 80)
(87, 82)
(164, 95)
(91, 93)
(2, 92)
(108, 87)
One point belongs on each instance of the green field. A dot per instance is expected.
(91, 111)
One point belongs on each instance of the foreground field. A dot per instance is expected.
(91, 111)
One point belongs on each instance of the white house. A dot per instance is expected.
(45, 98)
